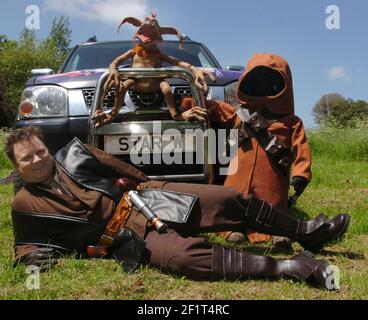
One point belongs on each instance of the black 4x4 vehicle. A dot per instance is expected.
(61, 104)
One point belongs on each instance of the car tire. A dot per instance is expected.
(17, 182)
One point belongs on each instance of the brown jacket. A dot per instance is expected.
(74, 200)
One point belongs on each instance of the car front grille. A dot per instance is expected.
(138, 99)
(146, 99)
(108, 102)
(180, 93)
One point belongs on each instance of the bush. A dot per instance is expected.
(338, 111)
(5, 163)
(18, 58)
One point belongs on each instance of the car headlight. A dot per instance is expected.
(43, 101)
(230, 93)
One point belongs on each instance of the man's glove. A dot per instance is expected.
(299, 184)
(44, 258)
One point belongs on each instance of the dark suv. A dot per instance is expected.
(60, 104)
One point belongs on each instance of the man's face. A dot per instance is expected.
(33, 161)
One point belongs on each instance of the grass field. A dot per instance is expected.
(340, 184)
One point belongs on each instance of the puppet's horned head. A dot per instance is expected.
(149, 31)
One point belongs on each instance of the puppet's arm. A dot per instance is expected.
(114, 76)
(302, 164)
(199, 74)
(100, 117)
(301, 170)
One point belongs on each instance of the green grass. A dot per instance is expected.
(340, 184)
(4, 161)
(342, 144)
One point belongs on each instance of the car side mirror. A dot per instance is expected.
(41, 72)
(235, 68)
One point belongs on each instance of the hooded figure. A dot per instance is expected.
(266, 91)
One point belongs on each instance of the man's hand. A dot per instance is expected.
(299, 184)
(199, 76)
(44, 258)
(193, 114)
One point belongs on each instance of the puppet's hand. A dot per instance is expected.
(200, 80)
(44, 258)
(101, 118)
(193, 114)
(113, 80)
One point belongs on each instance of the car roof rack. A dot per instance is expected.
(186, 38)
(91, 39)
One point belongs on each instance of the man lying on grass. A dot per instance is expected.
(71, 203)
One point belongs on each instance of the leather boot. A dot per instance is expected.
(234, 263)
(312, 235)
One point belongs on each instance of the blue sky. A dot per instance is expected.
(322, 60)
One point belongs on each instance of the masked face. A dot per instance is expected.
(262, 82)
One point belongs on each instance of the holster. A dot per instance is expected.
(120, 217)
(120, 242)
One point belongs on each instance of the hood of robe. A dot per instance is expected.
(267, 83)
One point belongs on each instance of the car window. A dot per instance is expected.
(95, 56)
(100, 55)
(190, 52)
(204, 61)
(75, 62)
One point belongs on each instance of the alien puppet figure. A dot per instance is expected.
(146, 54)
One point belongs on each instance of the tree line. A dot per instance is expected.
(334, 110)
(19, 57)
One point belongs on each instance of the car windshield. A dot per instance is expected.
(100, 55)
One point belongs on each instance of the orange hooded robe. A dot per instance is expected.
(256, 172)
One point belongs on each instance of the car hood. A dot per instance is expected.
(89, 78)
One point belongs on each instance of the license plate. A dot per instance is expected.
(127, 144)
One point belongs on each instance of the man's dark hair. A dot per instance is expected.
(21, 134)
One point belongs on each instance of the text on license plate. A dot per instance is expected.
(118, 144)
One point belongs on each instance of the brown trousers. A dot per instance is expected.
(181, 250)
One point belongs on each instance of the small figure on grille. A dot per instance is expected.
(146, 54)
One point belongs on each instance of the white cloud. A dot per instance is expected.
(337, 72)
(106, 11)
